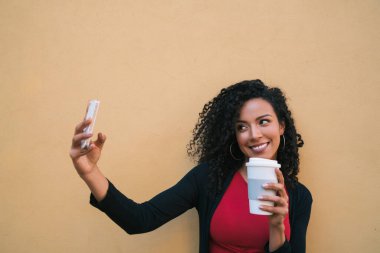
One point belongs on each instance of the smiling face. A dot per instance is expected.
(258, 130)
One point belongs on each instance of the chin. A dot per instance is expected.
(270, 157)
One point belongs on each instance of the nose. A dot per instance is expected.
(255, 132)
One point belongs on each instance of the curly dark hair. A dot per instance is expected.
(214, 132)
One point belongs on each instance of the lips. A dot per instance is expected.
(259, 148)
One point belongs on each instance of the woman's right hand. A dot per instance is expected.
(85, 160)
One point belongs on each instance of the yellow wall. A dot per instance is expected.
(153, 64)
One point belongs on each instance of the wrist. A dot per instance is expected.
(276, 236)
(277, 228)
(89, 174)
(96, 182)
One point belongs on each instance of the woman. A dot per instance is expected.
(245, 120)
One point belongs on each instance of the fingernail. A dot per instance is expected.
(265, 185)
(260, 197)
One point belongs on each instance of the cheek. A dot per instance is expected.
(240, 138)
(277, 137)
(273, 132)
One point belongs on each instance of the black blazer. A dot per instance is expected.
(191, 191)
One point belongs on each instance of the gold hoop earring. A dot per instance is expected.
(283, 137)
(232, 155)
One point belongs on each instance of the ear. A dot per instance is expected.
(282, 127)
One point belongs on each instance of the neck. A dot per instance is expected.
(243, 172)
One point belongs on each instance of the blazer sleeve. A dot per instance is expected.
(300, 209)
(144, 217)
(300, 216)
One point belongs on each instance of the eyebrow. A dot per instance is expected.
(262, 116)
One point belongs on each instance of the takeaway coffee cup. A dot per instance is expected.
(260, 171)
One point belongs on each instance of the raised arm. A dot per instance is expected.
(85, 160)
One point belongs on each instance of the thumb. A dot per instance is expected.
(101, 140)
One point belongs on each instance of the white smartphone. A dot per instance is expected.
(92, 110)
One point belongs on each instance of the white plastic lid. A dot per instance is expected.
(263, 162)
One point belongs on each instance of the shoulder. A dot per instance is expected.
(302, 190)
(301, 194)
(199, 172)
(195, 180)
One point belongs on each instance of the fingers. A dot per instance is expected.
(79, 135)
(79, 128)
(76, 152)
(281, 200)
(278, 187)
(275, 210)
(280, 205)
(76, 142)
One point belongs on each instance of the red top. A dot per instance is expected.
(233, 228)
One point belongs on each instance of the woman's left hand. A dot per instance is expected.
(280, 208)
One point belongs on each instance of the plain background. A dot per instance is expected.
(153, 65)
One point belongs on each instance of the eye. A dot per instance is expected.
(241, 127)
(264, 121)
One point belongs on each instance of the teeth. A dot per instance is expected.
(259, 148)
